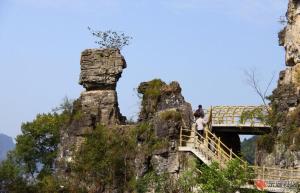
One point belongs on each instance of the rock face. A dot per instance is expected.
(100, 106)
(290, 35)
(165, 108)
(101, 68)
(164, 111)
(100, 71)
(285, 100)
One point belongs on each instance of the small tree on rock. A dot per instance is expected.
(111, 39)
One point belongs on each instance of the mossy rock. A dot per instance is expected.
(170, 115)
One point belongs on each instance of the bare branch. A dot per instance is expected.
(254, 83)
(269, 84)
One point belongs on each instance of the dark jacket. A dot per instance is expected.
(199, 113)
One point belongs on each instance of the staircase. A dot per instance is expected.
(209, 148)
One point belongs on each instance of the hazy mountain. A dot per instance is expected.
(248, 147)
(6, 144)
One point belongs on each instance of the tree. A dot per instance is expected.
(254, 83)
(66, 107)
(214, 179)
(11, 179)
(36, 147)
(29, 168)
(111, 39)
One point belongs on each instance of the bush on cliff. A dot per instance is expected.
(106, 158)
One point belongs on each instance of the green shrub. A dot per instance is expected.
(215, 179)
(150, 142)
(151, 93)
(171, 115)
(106, 157)
(252, 115)
(78, 115)
(153, 89)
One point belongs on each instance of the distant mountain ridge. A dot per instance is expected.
(248, 147)
(6, 144)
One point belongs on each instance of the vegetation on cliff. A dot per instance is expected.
(104, 161)
(285, 123)
(150, 94)
(200, 179)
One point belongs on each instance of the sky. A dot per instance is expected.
(205, 45)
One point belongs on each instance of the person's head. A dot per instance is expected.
(200, 106)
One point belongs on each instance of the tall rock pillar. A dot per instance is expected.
(97, 105)
(100, 72)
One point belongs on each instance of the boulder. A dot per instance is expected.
(101, 68)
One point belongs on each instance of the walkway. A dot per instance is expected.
(239, 119)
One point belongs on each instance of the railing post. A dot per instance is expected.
(230, 154)
(195, 137)
(206, 137)
(180, 137)
(219, 147)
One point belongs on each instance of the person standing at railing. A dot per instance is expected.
(200, 123)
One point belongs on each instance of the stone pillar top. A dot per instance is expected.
(101, 68)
